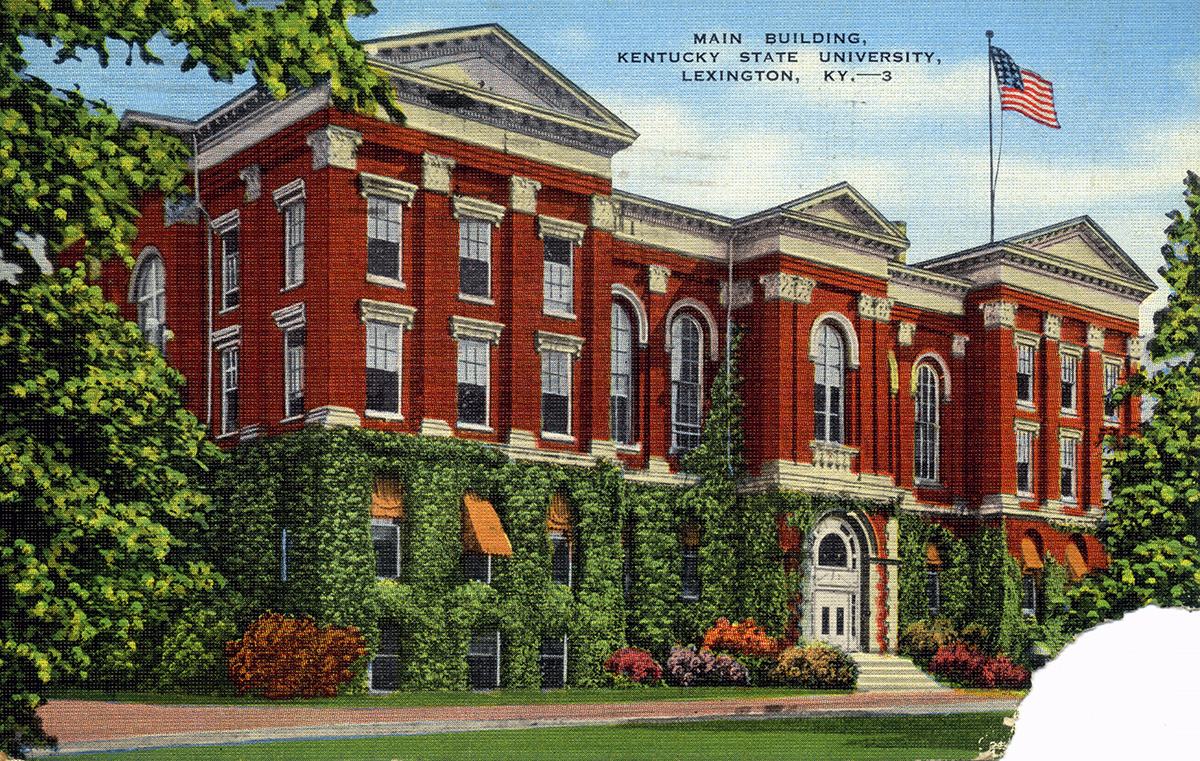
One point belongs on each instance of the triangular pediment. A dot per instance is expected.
(843, 207)
(487, 64)
(1081, 243)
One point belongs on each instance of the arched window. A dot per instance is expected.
(829, 361)
(150, 295)
(926, 425)
(685, 383)
(621, 394)
(832, 551)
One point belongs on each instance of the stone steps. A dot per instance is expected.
(891, 673)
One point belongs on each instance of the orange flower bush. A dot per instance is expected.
(281, 657)
(745, 638)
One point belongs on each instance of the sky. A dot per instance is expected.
(1126, 84)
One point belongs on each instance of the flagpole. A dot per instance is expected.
(991, 151)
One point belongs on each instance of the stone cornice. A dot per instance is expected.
(386, 311)
(670, 215)
(479, 330)
(375, 184)
(572, 345)
(477, 208)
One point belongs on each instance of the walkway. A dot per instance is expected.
(86, 727)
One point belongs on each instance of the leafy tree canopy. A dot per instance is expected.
(1154, 520)
(70, 173)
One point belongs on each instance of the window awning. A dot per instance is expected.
(1031, 559)
(387, 499)
(1077, 566)
(689, 535)
(932, 556)
(481, 529)
(558, 519)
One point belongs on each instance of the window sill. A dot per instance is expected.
(471, 299)
(381, 415)
(386, 282)
(292, 419)
(563, 438)
(227, 310)
(228, 435)
(291, 287)
(559, 315)
(1025, 496)
(629, 448)
(474, 427)
(922, 483)
(1110, 423)
(1068, 413)
(1027, 405)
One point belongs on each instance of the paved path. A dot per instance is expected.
(87, 726)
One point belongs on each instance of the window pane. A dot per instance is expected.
(474, 257)
(230, 262)
(557, 277)
(555, 411)
(832, 552)
(689, 575)
(386, 539)
(472, 381)
(685, 383)
(483, 660)
(560, 561)
(829, 380)
(553, 663)
(472, 404)
(621, 381)
(383, 237)
(383, 367)
(476, 567)
(294, 371)
(383, 258)
(294, 243)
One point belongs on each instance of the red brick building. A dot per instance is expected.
(473, 273)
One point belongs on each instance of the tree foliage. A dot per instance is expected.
(98, 504)
(71, 173)
(1154, 519)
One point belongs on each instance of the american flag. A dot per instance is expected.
(1023, 91)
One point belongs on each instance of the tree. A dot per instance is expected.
(72, 174)
(98, 503)
(100, 463)
(1154, 520)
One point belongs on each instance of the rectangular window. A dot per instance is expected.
(283, 555)
(1025, 373)
(1029, 596)
(558, 279)
(1068, 449)
(473, 381)
(556, 392)
(385, 667)
(476, 566)
(1112, 379)
(229, 390)
(689, 565)
(230, 269)
(1070, 374)
(475, 257)
(1024, 462)
(483, 661)
(293, 244)
(560, 560)
(383, 237)
(293, 372)
(385, 536)
(554, 663)
(383, 367)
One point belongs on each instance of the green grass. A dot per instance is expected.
(888, 738)
(461, 698)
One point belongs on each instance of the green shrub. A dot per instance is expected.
(193, 654)
(977, 637)
(816, 665)
(922, 639)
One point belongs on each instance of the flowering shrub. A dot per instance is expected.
(816, 665)
(967, 666)
(636, 665)
(922, 640)
(745, 638)
(688, 667)
(280, 657)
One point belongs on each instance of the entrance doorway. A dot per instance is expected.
(835, 614)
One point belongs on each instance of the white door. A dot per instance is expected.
(837, 575)
(836, 618)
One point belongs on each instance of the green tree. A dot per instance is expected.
(1154, 519)
(71, 174)
(98, 504)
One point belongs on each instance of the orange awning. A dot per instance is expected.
(558, 519)
(690, 535)
(932, 556)
(481, 528)
(1031, 559)
(387, 499)
(1077, 566)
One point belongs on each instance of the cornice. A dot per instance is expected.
(682, 218)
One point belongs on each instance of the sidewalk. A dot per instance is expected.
(88, 727)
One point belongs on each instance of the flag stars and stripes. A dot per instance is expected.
(1024, 91)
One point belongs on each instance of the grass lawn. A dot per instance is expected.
(889, 738)
(459, 698)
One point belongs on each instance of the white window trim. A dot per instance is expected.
(849, 336)
(943, 373)
(479, 330)
(136, 295)
(1032, 341)
(224, 340)
(1033, 429)
(399, 559)
(402, 316)
(639, 311)
(1108, 361)
(675, 447)
(390, 189)
(465, 207)
(572, 346)
(479, 334)
(286, 197)
(710, 324)
(941, 382)
(1074, 436)
(229, 222)
(288, 319)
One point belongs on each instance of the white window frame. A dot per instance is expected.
(1026, 431)
(227, 228)
(499, 647)
(475, 338)
(476, 218)
(829, 359)
(148, 290)
(558, 377)
(1027, 348)
(227, 344)
(283, 554)
(383, 315)
(543, 657)
(1113, 368)
(684, 432)
(927, 436)
(289, 201)
(386, 191)
(395, 528)
(558, 279)
(291, 322)
(621, 376)
(1070, 358)
(1068, 449)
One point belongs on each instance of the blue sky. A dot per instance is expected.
(1126, 84)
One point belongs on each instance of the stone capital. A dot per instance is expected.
(334, 146)
(999, 314)
(435, 172)
(522, 193)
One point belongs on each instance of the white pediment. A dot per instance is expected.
(1081, 243)
(845, 207)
